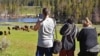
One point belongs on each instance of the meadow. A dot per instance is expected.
(23, 43)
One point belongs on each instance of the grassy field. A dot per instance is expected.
(24, 43)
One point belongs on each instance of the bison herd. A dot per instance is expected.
(16, 27)
(24, 28)
(5, 32)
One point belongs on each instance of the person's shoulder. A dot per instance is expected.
(88, 28)
(50, 18)
(68, 24)
(85, 29)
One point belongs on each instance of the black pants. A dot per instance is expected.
(88, 54)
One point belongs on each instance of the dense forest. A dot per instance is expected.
(79, 9)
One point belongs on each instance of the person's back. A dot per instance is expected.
(88, 38)
(68, 32)
(45, 34)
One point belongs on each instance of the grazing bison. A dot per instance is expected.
(31, 27)
(5, 33)
(98, 34)
(1, 33)
(22, 28)
(9, 32)
(16, 27)
(8, 28)
(26, 28)
(13, 28)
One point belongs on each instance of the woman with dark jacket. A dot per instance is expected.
(87, 39)
(68, 32)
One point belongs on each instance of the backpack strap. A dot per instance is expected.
(74, 31)
(68, 30)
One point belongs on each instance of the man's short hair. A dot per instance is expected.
(70, 21)
(45, 11)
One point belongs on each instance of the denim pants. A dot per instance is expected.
(41, 51)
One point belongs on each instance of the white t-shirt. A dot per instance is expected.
(46, 33)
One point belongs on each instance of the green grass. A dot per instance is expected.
(24, 43)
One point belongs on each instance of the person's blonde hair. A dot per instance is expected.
(87, 22)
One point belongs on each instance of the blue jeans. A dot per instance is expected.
(43, 51)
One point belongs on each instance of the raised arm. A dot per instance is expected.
(37, 26)
(63, 29)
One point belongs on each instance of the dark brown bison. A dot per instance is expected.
(8, 28)
(16, 27)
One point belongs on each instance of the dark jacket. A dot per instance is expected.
(87, 38)
(68, 32)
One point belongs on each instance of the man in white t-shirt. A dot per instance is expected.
(45, 29)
